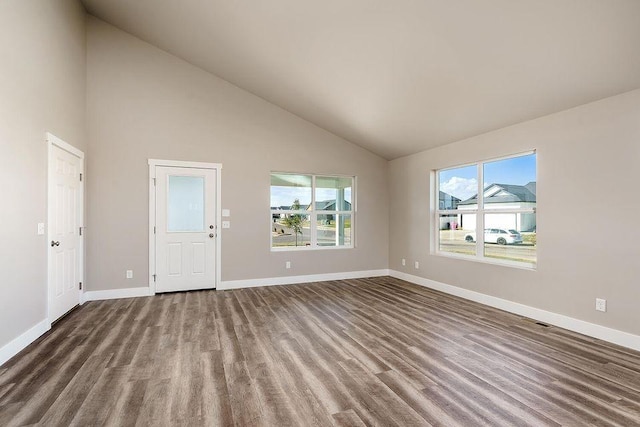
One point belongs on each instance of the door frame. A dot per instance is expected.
(54, 141)
(153, 164)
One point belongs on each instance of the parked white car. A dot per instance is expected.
(497, 235)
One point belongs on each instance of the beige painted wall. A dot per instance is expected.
(42, 89)
(588, 162)
(144, 103)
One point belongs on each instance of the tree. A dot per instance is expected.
(294, 221)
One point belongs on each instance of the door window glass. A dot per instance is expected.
(185, 210)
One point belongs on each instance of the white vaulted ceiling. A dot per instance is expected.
(401, 76)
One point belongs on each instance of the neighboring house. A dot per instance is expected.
(330, 205)
(503, 196)
(325, 205)
(279, 208)
(447, 201)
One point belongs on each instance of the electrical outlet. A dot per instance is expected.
(129, 274)
(226, 224)
(287, 264)
(40, 228)
(404, 261)
(417, 265)
(601, 304)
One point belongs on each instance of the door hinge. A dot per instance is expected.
(80, 229)
(80, 285)
(154, 229)
(154, 277)
(154, 182)
(80, 177)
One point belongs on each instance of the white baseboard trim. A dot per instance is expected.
(604, 333)
(238, 284)
(289, 280)
(116, 293)
(19, 343)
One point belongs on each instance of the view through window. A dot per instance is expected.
(497, 196)
(311, 211)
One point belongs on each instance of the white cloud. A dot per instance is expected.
(462, 188)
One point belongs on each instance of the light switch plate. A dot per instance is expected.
(226, 224)
(226, 212)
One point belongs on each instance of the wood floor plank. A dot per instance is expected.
(96, 410)
(276, 409)
(362, 352)
(63, 410)
(4, 389)
(216, 404)
(432, 414)
(245, 405)
(126, 410)
(38, 395)
(155, 407)
(533, 396)
(348, 419)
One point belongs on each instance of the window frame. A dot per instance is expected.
(480, 213)
(313, 214)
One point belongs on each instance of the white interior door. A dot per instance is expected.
(185, 228)
(65, 222)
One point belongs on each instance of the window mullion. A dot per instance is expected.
(480, 213)
(436, 219)
(313, 218)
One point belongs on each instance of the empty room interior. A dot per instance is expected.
(296, 213)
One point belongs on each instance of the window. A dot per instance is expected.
(311, 211)
(496, 196)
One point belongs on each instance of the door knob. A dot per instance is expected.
(212, 235)
(54, 243)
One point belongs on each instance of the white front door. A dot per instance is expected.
(65, 221)
(185, 228)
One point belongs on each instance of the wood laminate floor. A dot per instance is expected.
(374, 351)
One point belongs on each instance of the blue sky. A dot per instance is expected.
(463, 182)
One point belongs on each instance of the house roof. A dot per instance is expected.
(531, 187)
(505, 193)
(444, 195)
(328, 205)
